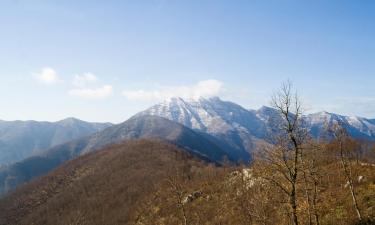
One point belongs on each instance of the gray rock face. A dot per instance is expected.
(21, 139)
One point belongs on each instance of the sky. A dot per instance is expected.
(107, 60)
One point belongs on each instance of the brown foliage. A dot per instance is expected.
(147, 182)
(104, 187)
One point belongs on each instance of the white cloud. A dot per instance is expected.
(95, 93)
(206, 88)
(84, 79)
(47, 76)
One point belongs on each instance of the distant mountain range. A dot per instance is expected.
(208, 128)
(357, 127)
(21, 139)
(245, 129)
(139, 127)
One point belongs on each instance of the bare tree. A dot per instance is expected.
(175, 180)
(345, 154)
(311, 177)
(179, 193)
(306, 186)
(284, 159)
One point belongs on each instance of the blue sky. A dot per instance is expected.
(106, 60)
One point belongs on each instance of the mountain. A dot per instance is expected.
(229, 124)
(139, 127)
(103, 187)
(21, 139)
(242, 129)
(357, 127)
(210, 128)
(173, 136)
(154, 182)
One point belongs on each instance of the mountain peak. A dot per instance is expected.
(214, 98)
(174, 99)
(177, 99)
(70, 121)
(323, 113)
(266, 109)
(213, 116)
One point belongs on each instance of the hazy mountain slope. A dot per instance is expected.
(150, 127)
(103, 187)
(21, 139)
(157, 127)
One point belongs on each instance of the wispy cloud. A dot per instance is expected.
(83, 87)
(94, 93)
(351, 106)
(84, 79)
(206, 88)
(362, 106)
(47, 76)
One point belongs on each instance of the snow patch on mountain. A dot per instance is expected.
(209, 115)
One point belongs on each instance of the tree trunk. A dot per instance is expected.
(355, 201)
(307, 194)
(294, 178)
(316, 215)
(293, 202)
(348, 175)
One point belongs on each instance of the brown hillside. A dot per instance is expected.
(151, 182)
(104, 187)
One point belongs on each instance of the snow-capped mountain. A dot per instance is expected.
(357, 127)
(209, 115)
(316, 123)
(229, 124)
(217, 128)
(243, 129)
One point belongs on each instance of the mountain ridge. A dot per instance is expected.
(193, 113)
(145, 127)
(21, 139)
(132, 169)
(211, 128)
(228, 122)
